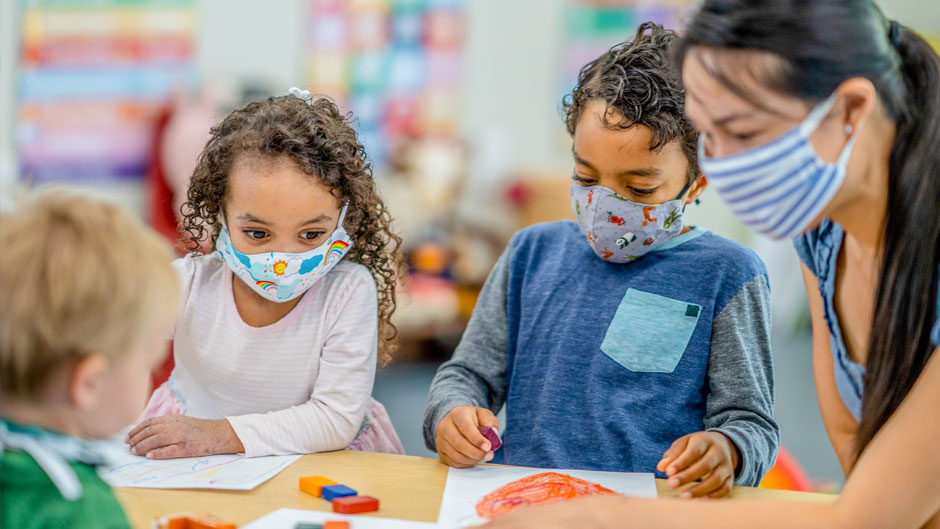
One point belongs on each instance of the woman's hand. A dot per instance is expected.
(181, 436)
(708, 456)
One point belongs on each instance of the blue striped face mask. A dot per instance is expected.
(779, 188)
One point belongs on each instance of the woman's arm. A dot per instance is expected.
(839, 422)
(895, 485)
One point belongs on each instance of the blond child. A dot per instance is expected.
(88, 301)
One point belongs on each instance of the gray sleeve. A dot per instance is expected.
(476, 373)
(741, 381)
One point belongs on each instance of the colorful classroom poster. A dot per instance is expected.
(93, 76)
(394, 63)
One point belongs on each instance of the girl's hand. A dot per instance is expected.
(181, 436)
(588, 512)
(459, 441)
(707, 456)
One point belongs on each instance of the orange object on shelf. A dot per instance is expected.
(787, 474)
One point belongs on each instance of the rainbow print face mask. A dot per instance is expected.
(280, 276)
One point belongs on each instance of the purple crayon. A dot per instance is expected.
(491, 436)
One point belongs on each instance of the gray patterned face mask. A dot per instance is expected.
(620, 230)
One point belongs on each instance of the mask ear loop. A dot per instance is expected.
(683, 192)
(342, 216)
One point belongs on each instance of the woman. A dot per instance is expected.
(820, 120)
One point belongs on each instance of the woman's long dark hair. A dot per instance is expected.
(821, 43)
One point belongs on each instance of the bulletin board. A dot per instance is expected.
(93, 76)
(395, 64)
(591, 27)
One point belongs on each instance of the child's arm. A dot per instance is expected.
(474, 380)
(739, 404)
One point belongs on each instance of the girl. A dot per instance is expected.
(276, 345)
(820, 120)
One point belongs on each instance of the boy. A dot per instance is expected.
(88, 301)
(626, 341)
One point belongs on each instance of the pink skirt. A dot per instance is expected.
(379, 436)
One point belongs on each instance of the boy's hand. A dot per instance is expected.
(181, 436)
(708, 456)
(459, 441)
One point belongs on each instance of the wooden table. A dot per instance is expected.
(410, 488)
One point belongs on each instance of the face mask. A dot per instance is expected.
(620, 230)
(279, 276)
(781, 187)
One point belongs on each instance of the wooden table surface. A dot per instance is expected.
(408, 487)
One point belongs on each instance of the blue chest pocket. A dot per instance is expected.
(649, 332)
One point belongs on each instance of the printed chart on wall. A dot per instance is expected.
(394, 63)
(474, 495)
(230, 471)
(94, 74)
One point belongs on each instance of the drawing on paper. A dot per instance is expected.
(547, 487)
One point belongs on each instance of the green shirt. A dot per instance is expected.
(29, 498)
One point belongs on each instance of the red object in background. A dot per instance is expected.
(162, 219)
(401, 116)
(162, 374)
(518, 193)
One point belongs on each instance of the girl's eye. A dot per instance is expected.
(256, 234)
(311, 235)
(644, 191)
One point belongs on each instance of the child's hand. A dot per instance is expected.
(181, 436)
(459, 442)
(708, 456)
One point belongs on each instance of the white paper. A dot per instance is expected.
(466, 487)
(288, 518)
(230, 471)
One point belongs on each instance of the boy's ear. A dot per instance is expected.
(86, 380)
(698, 187)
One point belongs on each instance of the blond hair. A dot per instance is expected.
(77, 277)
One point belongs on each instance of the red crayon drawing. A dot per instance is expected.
(590, 197)
(613, 219)
(547, 487)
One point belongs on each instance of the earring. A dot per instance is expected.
(848, 129)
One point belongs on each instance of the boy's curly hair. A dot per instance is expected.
(640, 87)
(319, 139)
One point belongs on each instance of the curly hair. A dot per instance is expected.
(319, 139)
(639, 86)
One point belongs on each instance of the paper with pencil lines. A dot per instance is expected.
(229, 471)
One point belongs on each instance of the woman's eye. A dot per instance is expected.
(744, 137)
(311, 235)
(643, 191)
(256, 234)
